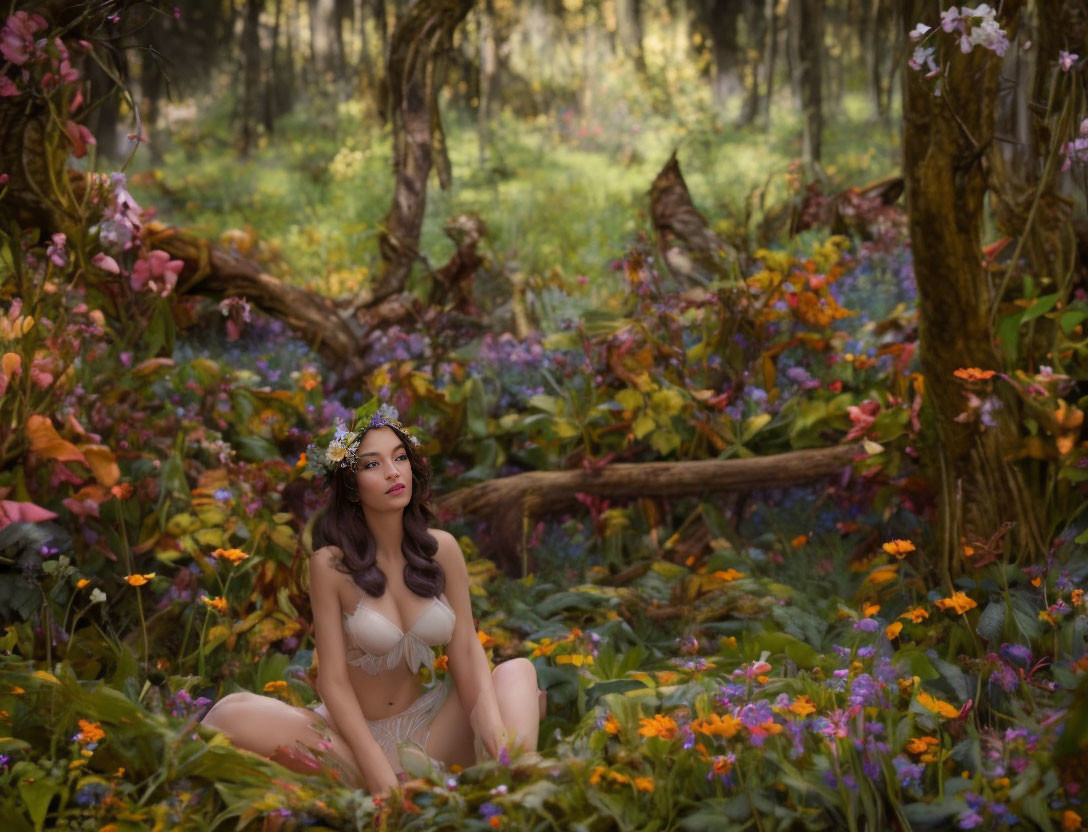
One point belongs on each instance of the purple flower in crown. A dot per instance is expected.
(341, 450)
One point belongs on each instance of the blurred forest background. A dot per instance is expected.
(746, 339)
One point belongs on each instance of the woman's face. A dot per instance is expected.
(383, 473)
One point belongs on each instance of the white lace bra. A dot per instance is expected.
(375, 643)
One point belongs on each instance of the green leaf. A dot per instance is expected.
(37, 791)
(256, 448)
(1043, 305)
(992, 621)
(1008, 333)
(1070, 318)
(629, 399)
(600, 689)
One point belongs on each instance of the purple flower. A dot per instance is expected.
(57, 252)
(969, 819)
(490, 810)
(867, 625)
(1066, 60)
(909, 774)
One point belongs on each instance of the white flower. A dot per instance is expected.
(97, 596)
(919, 32)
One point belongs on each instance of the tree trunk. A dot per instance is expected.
(251, 77)
(772, 54)
(272, 75)
(419, 41)
(285, 91)
(511, 504)
(793, 51)
(811, 30)
(719, 18)
(629, 22)
(365, 62)
(943, 153)
(755, 49)
(488, 60)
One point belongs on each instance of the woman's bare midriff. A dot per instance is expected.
(387, 693)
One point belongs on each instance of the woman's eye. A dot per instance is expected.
(369, 464)
(402, 456)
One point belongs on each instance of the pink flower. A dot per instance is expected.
(80, 137)
(16, 512)
(950, 19)
(7, 87)
(17, 36)
(56, 252)
(106, 263)
(157, 271)
(1066, 60)
(862, 416)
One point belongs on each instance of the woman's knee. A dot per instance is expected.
(232, 707)
(515, 671)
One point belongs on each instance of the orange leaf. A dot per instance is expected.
(103, 464)
(45, 440)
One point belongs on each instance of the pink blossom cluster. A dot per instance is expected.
(1076, 150)
(119, 232)
(971, 27)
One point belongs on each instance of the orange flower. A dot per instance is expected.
(799, 541)
(973, 374)
(899, 548)
(1077, 597)
(892, 630)
(802, 706)
(937, 706)
(715, 725)
(139, 580)
(233, 555)
(301, 460)
(658, 725)
(919, 745)
(959, 603)
(1071, 821)
(485, 640)
(727, 574)
(722, 765)
(1068, 420)
(644, 784)
(278, 686)
(868, 610)
(611, 724)
(442, 662)
(218, 604)
(17, 691)
(82, 582)
(495, 821)
(883, 574)
(89, 732)
(122, 491)
(915, 614)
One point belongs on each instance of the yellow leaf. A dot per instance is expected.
(41, 675)
(643, 425)
(45, 441)
(103, 464)
(629, 399)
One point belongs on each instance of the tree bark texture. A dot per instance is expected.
(423, 34)
(511, 504)
(945, 139)
(251, 77)
(811, 52)
(755, 51)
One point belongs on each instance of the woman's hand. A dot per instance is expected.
(381, 782)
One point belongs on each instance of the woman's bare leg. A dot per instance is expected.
(519, 700)
(274, 729)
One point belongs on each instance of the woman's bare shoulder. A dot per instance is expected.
(326, 559)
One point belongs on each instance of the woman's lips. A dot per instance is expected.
(396, 489)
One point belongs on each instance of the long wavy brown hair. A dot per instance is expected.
(343, 525)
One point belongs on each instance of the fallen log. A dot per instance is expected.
(511, 504)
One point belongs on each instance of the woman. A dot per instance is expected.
(384, 590)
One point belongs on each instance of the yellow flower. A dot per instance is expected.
(218, 604)
(139, 580)
(644, 784)
(278, 686)
(915, 614)
(899, 548)
(611, 724)
(658, 725)
(233, 555)
(959, 603)
(892, 630)
(802, 706)
(937, 706)
(89, 732)
(714, 725)
(576, 659)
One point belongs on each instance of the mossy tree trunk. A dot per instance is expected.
(945, 141)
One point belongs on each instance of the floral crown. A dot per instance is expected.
(340, 452)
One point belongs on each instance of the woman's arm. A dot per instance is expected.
(467, 661)
(333, 685)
